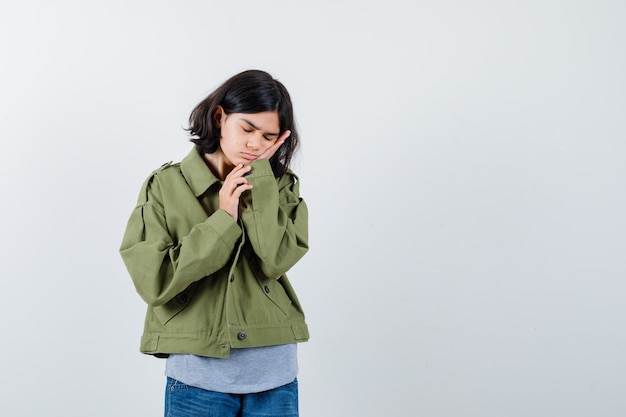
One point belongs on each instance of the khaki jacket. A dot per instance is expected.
(212, 284)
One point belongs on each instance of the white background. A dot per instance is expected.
(463, 163)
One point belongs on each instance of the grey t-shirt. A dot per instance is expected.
(245, 371)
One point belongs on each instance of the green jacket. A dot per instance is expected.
(212, 284)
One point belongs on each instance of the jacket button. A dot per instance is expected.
(232, 278)
(267, 289)
(241, 335)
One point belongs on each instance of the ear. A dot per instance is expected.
(218, 116)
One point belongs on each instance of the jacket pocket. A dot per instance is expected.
(276, 293)
(272, 288)
(169, 310)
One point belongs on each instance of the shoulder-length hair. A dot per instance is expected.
(251, 91)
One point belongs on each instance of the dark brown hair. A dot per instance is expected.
(251, 91)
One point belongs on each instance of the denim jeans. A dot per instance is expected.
(182, 400)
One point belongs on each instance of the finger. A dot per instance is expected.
(241, 189)
(231, 184)
(237, 182)
(272, 149)
(284, 137)
(238, 171)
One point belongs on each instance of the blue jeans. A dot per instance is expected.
(182, 400)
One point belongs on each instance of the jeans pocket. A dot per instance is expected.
(176, 385)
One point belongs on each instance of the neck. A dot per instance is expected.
(218, 164)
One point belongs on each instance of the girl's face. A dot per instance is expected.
(245, 136)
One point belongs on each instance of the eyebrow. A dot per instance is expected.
(255, 127)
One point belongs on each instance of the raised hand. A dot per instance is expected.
(234, 185)
(269, 152)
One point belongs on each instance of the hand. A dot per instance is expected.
(272, 149)
(234, 185)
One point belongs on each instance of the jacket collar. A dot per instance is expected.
(197, 173)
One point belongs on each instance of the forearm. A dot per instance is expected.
(276, 221)
(162, 267)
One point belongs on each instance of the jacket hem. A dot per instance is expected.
(161, 345)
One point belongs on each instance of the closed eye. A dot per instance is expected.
(249, 127)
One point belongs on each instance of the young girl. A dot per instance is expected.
(208, 246)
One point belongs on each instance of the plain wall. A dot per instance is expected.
(463, 163)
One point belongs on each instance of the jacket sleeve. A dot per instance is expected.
(161, 265)
(275, 219)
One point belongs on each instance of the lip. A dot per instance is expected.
(249, 156)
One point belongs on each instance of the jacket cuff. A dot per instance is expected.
(225, 226)
(260, 168)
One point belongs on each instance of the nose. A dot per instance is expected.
(254, 142)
